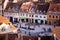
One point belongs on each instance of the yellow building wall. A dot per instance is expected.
(51, 19)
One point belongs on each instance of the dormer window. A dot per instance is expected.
(16, 8)
(9, 9)
(13, 9)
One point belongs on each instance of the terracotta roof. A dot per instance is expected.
(56, 31)
(5, 20)
(54, 7)
(27, 6)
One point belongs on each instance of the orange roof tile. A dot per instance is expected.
(5, 20)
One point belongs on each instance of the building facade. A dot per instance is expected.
(32, 18)
(53, 13)
(11, 12)
(15, 13)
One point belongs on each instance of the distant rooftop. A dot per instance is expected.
(12, 7)
(54, 7)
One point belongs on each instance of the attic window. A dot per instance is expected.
(9, 9)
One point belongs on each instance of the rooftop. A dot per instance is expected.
(54, 7)
(6, 21)
(12, 7)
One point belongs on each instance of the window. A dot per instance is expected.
(9, 9)
(32, 15)
(23, 14)
(40, 16)
(36, 16)
(56, 16)
(53, 16)
(50, 16)
(44, 17)
(29, 15)
(16, 8)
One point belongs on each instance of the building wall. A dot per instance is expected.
(33, 17)
(13, 15)
(40, 16)
(52, 18)
(53, 13)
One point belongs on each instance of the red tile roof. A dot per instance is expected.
(54, 7)
(5, 20)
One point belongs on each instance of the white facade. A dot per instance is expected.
(13, 15)
(37, 17)
(40, 17)
(26, 17)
